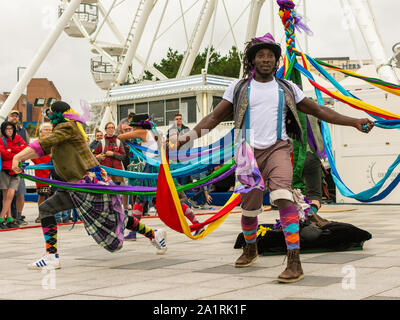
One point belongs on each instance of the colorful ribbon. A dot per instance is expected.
(169, 208)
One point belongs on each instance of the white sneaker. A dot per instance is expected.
(197, 232)
(193, 204)
(205, 206)
(159, 241)
(48, 261)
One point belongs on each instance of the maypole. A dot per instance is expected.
(290, 22)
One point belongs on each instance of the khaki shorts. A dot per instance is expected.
(275, 165)
(8, 182)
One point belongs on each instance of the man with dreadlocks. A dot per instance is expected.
(73, 161)
(267, 107)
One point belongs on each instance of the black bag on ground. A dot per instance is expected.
(332, 236)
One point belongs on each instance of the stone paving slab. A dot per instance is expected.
(335, 257)
(202, 270)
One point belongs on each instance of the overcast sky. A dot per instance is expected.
(25, 24)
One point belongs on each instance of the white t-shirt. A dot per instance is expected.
(151, 144)
(264, 99)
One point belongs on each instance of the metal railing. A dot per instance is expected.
(86, 12)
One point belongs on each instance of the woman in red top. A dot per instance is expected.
(10, 145)
(43, 190)
(110, 151)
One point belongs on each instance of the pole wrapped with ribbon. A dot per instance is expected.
(291, 21)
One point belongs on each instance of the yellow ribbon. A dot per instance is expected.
(185, 226)
(78, 124)
(262, 230)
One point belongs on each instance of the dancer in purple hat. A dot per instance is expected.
(267, 107)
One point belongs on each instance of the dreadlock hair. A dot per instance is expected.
(247, 64)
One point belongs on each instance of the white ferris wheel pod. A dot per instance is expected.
(88, 15)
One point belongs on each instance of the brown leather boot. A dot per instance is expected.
(249, 255)
(293, 271)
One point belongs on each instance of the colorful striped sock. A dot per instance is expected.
(49, 227)
(249, 228)
(290, 226)
(141, 228)
(188, 212)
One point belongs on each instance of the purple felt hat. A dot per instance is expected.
(266, 41)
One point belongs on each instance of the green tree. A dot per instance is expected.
(228, 65)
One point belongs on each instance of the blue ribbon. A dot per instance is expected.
(369, 194)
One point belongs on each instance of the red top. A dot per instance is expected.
(8, 151)
(43, 173)
(111, 145)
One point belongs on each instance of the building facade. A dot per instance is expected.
(40, 93)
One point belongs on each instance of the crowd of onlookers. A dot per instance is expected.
(109, 151)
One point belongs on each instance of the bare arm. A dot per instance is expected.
(27, 153)
(328, 115)
(135, 134)
(209, 122)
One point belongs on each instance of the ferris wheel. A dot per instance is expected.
(125, 55)
(127, 36)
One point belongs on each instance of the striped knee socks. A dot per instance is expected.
(249, 228)
(188, 212)
(290, 226)
(137, 210)
(49, 227)
(135, 225)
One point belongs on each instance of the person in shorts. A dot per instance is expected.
(10, 144)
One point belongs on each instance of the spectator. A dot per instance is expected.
(202, 194)
(124, 127)
(143, 130)
(177, 129)
(98, 136)
(43, 189)
(19, 197)
(130, 116)
(110, 152)
(312, 171)
(10, 144)
(135, 165)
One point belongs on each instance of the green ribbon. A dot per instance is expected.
(191, 185)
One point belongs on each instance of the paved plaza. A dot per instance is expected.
(202, 269)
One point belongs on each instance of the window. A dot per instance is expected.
(142, 108)
(163, 111)
(188, 107)
(157, 112)
(124, 110)
(171, 109)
